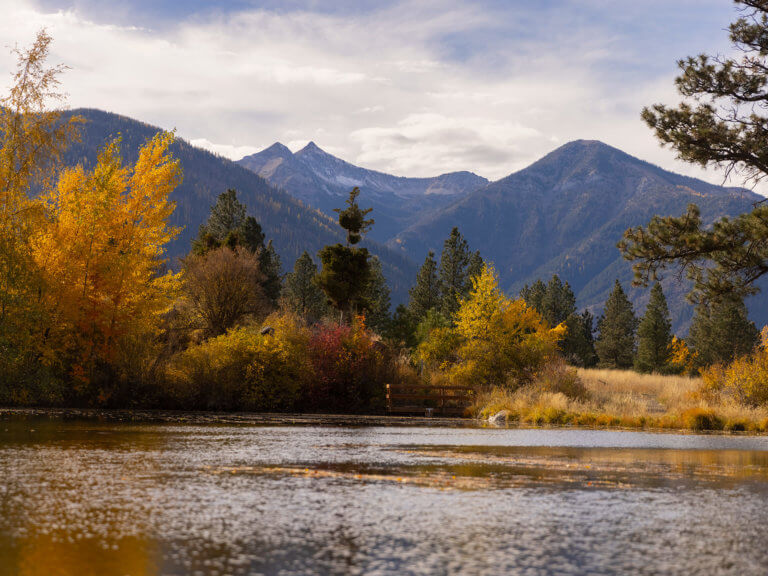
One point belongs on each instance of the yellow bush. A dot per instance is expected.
(745, 380)
(503, 341)
(243, 369)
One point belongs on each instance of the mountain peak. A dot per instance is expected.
(311, 148)
(278, 149)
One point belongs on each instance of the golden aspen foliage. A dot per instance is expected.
(32, 140)
(504, 341)
(682, 359)
(102, 252)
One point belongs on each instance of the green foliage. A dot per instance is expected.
(301, 293)
(346, 276)
(425, 294)
(556, 302)
(454, 281)
(401, 329)
(269, 265)
(352, 218)
(377, 300)
(616, 343)
(654, 335)
(722, 123)
(721, 332)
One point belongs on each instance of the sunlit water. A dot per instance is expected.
(94, 497)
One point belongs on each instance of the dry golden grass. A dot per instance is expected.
(625, 399)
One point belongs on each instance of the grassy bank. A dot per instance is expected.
(616, 398)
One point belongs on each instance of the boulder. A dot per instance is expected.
(500, 418)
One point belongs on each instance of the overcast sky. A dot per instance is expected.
(415, 88)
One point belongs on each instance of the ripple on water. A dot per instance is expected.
(85, 497)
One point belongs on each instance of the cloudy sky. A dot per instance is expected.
(413, 87)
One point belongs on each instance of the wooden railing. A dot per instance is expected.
(428, 399)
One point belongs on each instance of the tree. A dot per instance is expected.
(503, 341)
(721, 332)
(346, 270)
(402, 327)
(616, 343)
(32, 141)
(474, 268)
(224, 288)
(726, 126)
(301, 292)
(654, 335)
(102, 254)
(229, 225)
(425, 294)
(556, 302)
(534, 295)
(269, 264)
(453, 272)
(377, 299)
(578, 346)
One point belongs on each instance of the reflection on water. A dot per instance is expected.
(89, 497)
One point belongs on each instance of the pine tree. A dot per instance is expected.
(578, 346)
(721, 331)
(616, 343)
(558, 302)
(534, 295)
(269, 262)
(453, 272)
(474, 268)
(346, 270)
(425, 294)
(301, 293)
(377, 299)
(654, 335)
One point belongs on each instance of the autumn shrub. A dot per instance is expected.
(243, 369)
(556, 377)
(745, 380)
(350, 369)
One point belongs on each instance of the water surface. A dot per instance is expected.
(101, 497)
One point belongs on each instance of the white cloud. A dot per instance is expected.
(390, 89)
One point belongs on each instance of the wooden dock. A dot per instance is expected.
(426, 399)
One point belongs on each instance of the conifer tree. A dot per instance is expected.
(301, 293)
(534, 295)
(269, 263)
(377, 299)
(346, 270)
(474, 268)
(558, 302)
(454, 282)
(721, 331)
(616, 343)
(425, 294)
(654, 334)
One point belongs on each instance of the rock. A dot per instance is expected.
(500, 418)
(267, 331)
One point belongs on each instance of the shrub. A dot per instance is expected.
(701, 419)
(556, 377)
(243, 369)
(745, 380)
(350, 369)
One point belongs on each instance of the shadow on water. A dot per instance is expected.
(101, 497)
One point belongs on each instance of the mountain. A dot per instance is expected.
(292, 226)
(323, 181)
(565, 213)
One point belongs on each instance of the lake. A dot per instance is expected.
(249, 495)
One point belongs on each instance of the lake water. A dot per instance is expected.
(101, 497)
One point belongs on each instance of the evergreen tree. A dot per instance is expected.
(227, 215)
(534, 295)
(616, 343)
(425, 294)
(377, 300)
(402, 328)
(269, 261)
(721, 331)
(721, 122)
(578, 346)
(346, 270)
(454, 281)
(301, 293)
(654, 334)
(474, 268)
(558, 302)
